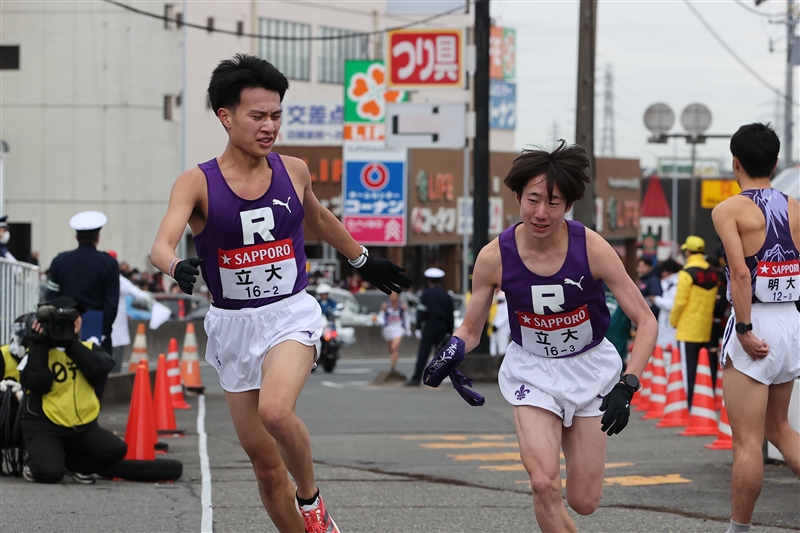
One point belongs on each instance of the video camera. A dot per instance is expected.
(58, 325)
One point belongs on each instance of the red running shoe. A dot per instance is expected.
(316, 517)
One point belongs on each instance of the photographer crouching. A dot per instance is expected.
(60, 409)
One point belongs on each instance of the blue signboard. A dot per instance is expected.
(374, 188)
(502, 105)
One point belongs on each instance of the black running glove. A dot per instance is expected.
(384, 275)
(617, 407)
(186, 273)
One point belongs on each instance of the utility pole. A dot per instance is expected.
(584, 114)
(480, 157)
(788, 112)
(607, 147)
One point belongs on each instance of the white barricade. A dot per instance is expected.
(19, 293)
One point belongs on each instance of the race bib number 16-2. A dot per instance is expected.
(261, 271)
(778, 281)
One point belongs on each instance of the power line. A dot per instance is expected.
(282, 38)
(736, 56)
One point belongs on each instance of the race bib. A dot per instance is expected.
(558, 335)
(778, 281)
(261, 271)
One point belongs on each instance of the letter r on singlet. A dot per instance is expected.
(257, 221)
(551, 296)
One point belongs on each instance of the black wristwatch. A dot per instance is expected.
(631, 381)
(742, 328)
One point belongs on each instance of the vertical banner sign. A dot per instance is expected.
(374, 193)
(502, 104)
(502, 53)
(365, 98)
(425, 58)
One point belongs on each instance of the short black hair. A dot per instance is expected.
(242, 72)
(646, 260)
(87, 236)
(756, 146)
(669, 265)
(564, 167)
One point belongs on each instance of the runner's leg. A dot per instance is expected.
(539, 436)
(394, 351)
(584, 454)
(777, 428)
(746, 404)
(274, 486)
(284, 371)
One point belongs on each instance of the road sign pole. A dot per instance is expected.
(480, 170)
(465, 233)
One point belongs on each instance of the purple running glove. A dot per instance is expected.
(460, 383)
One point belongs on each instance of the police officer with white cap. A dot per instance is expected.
(434, 320)
(89, 276)
(5, 235)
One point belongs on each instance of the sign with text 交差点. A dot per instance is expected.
(311, 123)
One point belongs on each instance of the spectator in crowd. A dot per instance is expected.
(501, 330)
(120, 331)
(649, 283)
(693, 311)
(5, 236)
(668, 271)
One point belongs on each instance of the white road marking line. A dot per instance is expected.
(207, 520)
(354, 371)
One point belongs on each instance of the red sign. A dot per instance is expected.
(425, 58)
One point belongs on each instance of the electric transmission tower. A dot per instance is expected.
(607, 146)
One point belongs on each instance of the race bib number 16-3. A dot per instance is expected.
(261, 271)
(778, 281)
(559, 335)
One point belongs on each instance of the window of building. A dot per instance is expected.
(293, 58)
(9, 57)
(168, 102)
(210, 24)
(169, 16)
(239, 27)
(335, 52)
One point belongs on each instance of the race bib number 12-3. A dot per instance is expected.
(261, 271)
(778, 281)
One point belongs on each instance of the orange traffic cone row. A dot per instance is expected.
(164, 413)
(190, 366)
(139, 352)
(702, 415)
(658, 394)
(140, 433)
(643, 404)
(174, 375)
(676, 410)
(724, 439)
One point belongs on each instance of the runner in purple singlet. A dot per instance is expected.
(246, 210)
(760, 233)
(560, 373)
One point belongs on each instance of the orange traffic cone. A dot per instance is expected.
(190, 366)
(643, 404)
(724, 439)
(162, 401)
(140, 433)
(174, 375)
(702, 416)
(139, 352)
(676, 410)
(658, 396)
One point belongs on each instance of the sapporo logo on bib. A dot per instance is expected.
(778, 281)
(261, 271)
(559, 335)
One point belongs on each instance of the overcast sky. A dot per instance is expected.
(659, 52)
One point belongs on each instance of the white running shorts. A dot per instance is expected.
(238, 339)
(779, 325)
(392, 331)
(569, 386)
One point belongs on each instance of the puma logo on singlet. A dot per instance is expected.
(275, 201)
(576, 283)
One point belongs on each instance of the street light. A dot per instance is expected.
(695, 119)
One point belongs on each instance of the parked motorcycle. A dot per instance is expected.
(333, 338)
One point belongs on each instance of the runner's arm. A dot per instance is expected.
(183, 200)
(485, 277)
(319, 219)
(606, 265)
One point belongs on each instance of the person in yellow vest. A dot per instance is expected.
(59, 421)
(11, 354)
(693, 311)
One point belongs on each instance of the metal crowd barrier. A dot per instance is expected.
(19, 293)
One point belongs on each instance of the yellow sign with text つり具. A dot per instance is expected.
(713, 192)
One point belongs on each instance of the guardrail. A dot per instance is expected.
(19, 293)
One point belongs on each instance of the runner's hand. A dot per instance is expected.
(384, 275)
(186, 272)
(617, 407)
(756, 348)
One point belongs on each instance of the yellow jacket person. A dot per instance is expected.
(59, 417)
